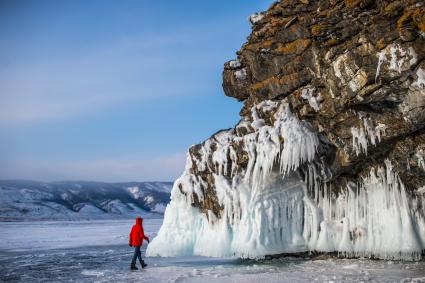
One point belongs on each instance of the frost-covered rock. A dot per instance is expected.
(240, 74)
(234, 64)
(256, 17)
(314, 101)
(328, 154)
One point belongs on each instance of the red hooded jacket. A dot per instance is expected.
(137, 234)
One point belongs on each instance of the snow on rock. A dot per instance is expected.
(256, 17)
(420, 81)
(148, 199)
(135, 192)
(240, 74)
(420, 155)
(234, 64)
(307, 93)
(88, 209)
(396, 58)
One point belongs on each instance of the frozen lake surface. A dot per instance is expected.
(97, 251)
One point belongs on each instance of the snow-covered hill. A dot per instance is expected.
(30, 200)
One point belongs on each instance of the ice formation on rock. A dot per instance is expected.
(399, 59)
(325, 156)
(279, 204)
(420, 155)
(365, 134)
(314, 102)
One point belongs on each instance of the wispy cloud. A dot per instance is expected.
(133, 68)
(161, 168)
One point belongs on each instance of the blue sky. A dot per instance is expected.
(113, 90)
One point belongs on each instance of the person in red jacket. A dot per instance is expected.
(137, 235)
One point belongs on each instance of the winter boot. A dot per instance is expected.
(143, 264)
(133, 266)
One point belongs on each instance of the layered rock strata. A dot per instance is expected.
(329, 154)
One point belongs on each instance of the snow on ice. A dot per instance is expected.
(97, 251)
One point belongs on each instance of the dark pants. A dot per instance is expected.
(137, 254)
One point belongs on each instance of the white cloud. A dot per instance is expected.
(161, 168)
(47, 89)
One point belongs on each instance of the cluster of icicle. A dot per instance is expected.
(269, 209)
(366, 134)
(397, 57)
(374, 219)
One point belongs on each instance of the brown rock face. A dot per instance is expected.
(354, 70)
(363, 63)
(329, 154)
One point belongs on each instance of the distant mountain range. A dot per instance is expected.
(32, 200)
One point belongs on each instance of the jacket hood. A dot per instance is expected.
(139, 220)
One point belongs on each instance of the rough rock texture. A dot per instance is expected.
(329, 154)
(361, 60)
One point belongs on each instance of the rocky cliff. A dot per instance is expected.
(329, 154)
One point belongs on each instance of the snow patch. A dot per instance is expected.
(159, 208)
(234, 64)
(135, 192)
(256, 17)
(148, 199)
(314, 102)
(420, 81)
(397, 58)
(420, 155)
(93, 273)
(240, 74)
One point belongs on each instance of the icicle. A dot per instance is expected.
(381, 59)
(400, 58)
(268, 211)
(420, 155)
(362, 136)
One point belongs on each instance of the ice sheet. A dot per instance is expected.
(106, 262)
(44, 235)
